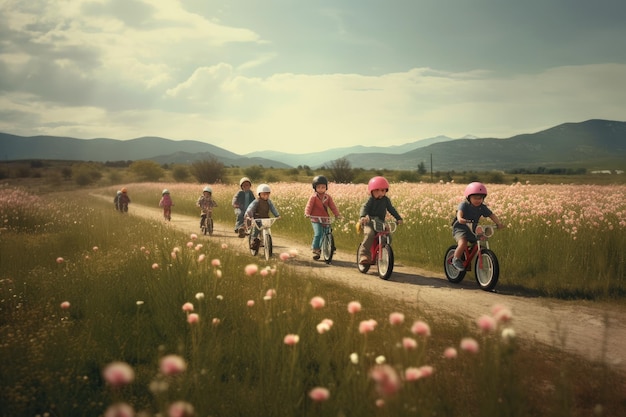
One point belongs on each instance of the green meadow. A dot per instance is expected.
(115, 315)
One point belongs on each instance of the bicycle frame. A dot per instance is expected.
(482, 233)
(327, 242)
(382, 237)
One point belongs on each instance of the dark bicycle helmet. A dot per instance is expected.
(320, 179)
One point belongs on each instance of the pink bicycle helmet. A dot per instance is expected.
(475, 188)
(377, 183)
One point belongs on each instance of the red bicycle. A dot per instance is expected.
(486, 266)
(381, 253)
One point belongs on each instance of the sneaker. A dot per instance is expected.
(255, 244)
(242, 232)
(364, 260)
(458, 264)
(317, 253)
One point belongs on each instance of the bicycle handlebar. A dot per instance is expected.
(265, 223)
(384, 225)
(322, 219)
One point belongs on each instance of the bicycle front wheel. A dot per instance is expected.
(327, 247)
(267, 246)
(385, 262)
(254, 249)
(210, 226)
(488, 271)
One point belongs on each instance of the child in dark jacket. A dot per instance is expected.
(374, 209)
(241, 201)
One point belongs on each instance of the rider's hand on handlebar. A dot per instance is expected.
(365, 219)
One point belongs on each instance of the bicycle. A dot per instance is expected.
(264, 226)
(381, 253)
(327, 244)
(206, 224)
(486, 266)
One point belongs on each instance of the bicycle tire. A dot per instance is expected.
(487, 276)
(267, 246)
(362, 268)
(253, 252)
(385, 262)
(210, 226)
(452, 274)
(327, 246)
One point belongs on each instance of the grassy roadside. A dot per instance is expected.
(126, 281)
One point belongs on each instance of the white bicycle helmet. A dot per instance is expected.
(263, 188)
(207, 189)
(244, 179)
(165, 191)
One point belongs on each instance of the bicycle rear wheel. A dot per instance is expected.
(327, 247)
(267, 246)
(487, 276)
(454, 275)
(385, 262)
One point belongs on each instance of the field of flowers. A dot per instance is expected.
(102, 314)
(565, 241)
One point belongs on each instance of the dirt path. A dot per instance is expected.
(593, 331)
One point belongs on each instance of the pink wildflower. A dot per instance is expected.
(284, 256)
(155, 266)
(501, 313)
(354, 307)
(181, 409)
(367, 326)
(317, 303)
(193, 236)
(193, 318)
(486, 323)
(264, 272)
(60, 260)
(190, 245)
(386, 379)
(420, 328)
(118, 374)
(250, 303)
(324, 326)
(412, 374)
(409, 343)
(201, 258)
(65, 305)
(224, 246)
(251, 269)
(95, 249)
(396, 318)
(449, 353)
(319, 394)
(291, 339)
(172, 365)
(271, 293)
(187, 307)
(216, 262)
(119, 410)
(469, 345)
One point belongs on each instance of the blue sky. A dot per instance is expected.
(298, 76)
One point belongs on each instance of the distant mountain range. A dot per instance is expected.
(593, 144)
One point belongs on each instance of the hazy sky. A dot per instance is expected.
(298, 76)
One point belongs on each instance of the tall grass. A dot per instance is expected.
(563, 240)
(83, 288)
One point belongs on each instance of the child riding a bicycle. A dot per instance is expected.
(260, 208)
(470, 211)
(206, 204)
(316, 209)
(241, 201)
(374, 209)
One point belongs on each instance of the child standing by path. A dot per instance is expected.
(317, 207)
(374, 209)
(206, 204)
(241, 201)
(260, 209)
(167, 203)
(470, 211)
